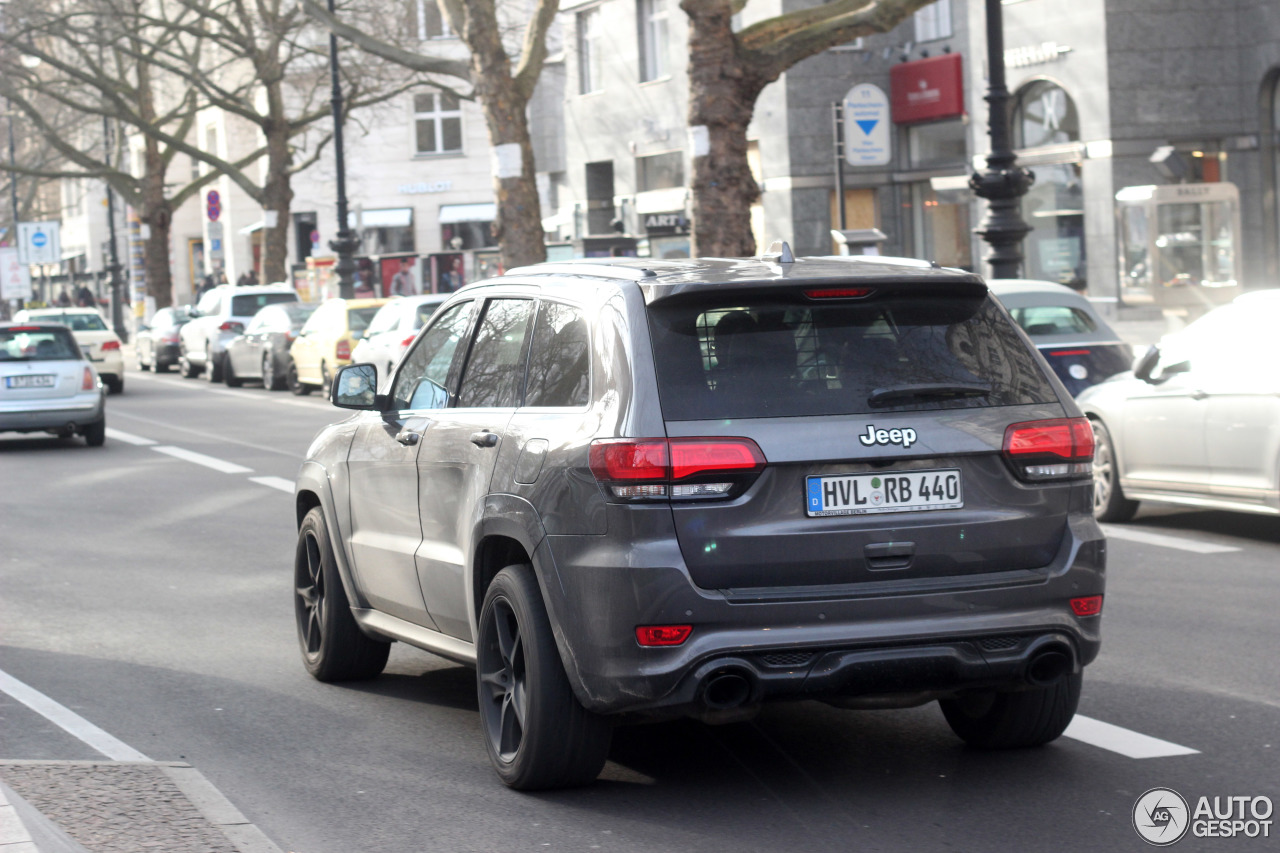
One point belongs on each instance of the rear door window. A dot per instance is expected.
(495, 366)
(559, 358)
(787, 356)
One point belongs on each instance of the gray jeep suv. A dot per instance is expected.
(633, 489)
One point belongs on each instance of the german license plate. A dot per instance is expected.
(891, 491)
(36, 381)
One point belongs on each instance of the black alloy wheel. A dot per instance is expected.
(332, 644)
(536, 732)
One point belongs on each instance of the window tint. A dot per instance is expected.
(1053, 320)
(495, 367)
(783, 358)
(40, 345)
(386, 318)
(246, 305)
(74, 322)
(423, 379)
(358, 318)
(559, 359)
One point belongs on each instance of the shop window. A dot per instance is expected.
(600, 212)
(589, 52)
(940, 226)
(437, 118)
(467, 235)
(939, 143)
(660, 171)
(652, 19)
(1044, 114)
(1054, 208)
(933, 21)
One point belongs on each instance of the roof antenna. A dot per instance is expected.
(779, 252)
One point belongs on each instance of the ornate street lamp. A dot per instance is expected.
(1003, 183)
(346, 242)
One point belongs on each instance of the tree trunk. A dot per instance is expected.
(277, 195)
(157, 213)
(722, 97)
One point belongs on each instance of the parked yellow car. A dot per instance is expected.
(326, 341)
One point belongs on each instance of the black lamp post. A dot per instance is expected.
(1003, 183)
(346, 242)
(113, 270)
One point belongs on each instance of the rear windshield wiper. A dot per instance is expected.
(901, 393)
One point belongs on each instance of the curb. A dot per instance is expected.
(24, 829)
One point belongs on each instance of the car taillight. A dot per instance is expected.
(169, 339)
(408, 340)
(107, 346)
(839, 292)
(89, 383)
(342, 351)
(663, 635)
(1065, 352)
(1055, 449)
(681, 468)
(229, 326)
(1090, 605)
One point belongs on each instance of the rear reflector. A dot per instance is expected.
(839, 292)
(687, 468)
(1055, 449)
(88, 383)
(107, 346)
(1088, 606)
(663, 635)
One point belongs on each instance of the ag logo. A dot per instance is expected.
(1161, 816)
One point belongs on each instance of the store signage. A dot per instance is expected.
(866, 126)
(425, 187)
(666, 223)
(927, 89)
(1034, 54)
(15, 277)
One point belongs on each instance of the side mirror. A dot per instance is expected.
(1147, 363)
(356, 387)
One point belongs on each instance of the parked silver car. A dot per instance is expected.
(1197, 422)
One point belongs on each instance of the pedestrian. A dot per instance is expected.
(243, 280)
(84, 297)
(402, 281)
(64, 299)
(206, 286)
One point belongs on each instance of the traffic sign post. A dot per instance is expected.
(40, 242)
(868, 141)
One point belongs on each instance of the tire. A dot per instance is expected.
(229, 373)
(326, 380)
(991, 720)
(332, 644)
(142, 365)
(95, 435)
(115, 384)
(299, 389)
(213, 365)
(188, 370)
(554, 742)
(271, 380)
(1109, 502)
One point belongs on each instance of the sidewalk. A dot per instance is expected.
(119, 807)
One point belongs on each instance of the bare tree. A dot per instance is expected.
(727, 72)
(502, 86)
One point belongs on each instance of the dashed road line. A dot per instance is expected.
(69, 720)
(1128, 743)
(275, 483)
(129, 438)
(1146, 537)
(200, 459)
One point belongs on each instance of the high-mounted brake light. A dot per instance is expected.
(1054, 449)
(685, 468)
(342, 351)
(663, 635)
(1090, 605)
(1069, 352)
(107, 346)
(26, 329)
(839, 292)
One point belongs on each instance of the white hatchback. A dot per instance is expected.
(393, 328)
(47, 385)
(100, 345)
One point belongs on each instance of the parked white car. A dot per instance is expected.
(99, 344)
(47, 384)
(221, 314)
(393, 328)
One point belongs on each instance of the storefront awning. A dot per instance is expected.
(249, 229)
(391, 217)
(483, 212)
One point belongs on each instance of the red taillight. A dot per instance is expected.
(26, 329)
(289, 337)
(408, 340)
(107, 346)
(169, 339)
(839, 292)
(88, 383)
(1090, 605)
(230, 326)
(342, 352)
(1056, 449)
(663, 635)
(1069, 352)
(677, 467)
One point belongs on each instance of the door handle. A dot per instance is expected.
(484, 438)
(408, 438)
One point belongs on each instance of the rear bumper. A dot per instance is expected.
(927, 641)
(53, 415)
(110, 364)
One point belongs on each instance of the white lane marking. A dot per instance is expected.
(129, 438)
(200, 459)
(274, 482)
(68, 720)
(1148, 538)
(1128, 743)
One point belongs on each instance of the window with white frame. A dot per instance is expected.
(934, 21)
(437, 120)
(589, 48)
(431, 24)
(652, 18)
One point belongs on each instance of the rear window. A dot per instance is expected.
(789, 358)
(74, 322)
(38, 345)
(246, 305)
(1053, 320)
(358, 318)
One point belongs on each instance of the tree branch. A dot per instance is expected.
(384, 50)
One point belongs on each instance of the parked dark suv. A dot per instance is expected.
(635, 489)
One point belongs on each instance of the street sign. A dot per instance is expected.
(213, 205)
(40, 242)
(216, 251)
(867, 137)
(15, 278)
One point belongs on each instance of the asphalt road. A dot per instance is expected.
(147, 589)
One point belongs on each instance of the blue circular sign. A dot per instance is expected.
(39, 239)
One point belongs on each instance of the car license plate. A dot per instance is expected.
(891, 491)
(36, 381)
